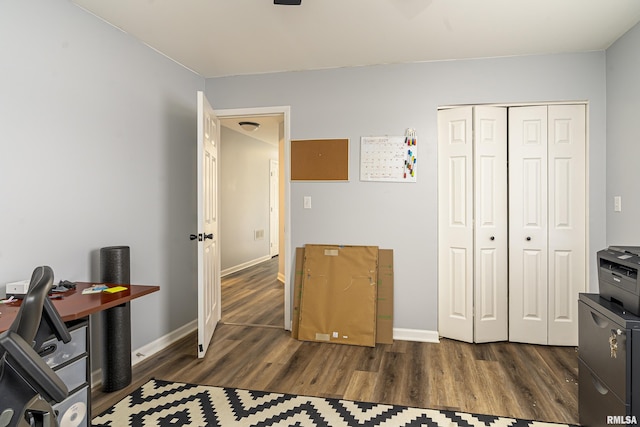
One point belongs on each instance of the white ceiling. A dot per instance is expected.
(233, 37)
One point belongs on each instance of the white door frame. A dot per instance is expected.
(288, 252)
(274, 204)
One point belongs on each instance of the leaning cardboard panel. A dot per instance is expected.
(339, 294)
(384, 325)
(297, 292)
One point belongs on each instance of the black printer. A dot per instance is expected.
(618, 276)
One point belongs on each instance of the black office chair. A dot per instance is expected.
(28, 386)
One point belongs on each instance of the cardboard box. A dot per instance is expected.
(384, 321)
(384, 309)
(297, 291)
(339, 294)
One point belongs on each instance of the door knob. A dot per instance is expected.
(195, 237)
(208, 236)
(492, 238)
(528, 238)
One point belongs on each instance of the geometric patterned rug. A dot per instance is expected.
(164, 403)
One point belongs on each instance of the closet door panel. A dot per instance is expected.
(533, 299)
(455, 224)
(490, 220)
(528, 224)
(567, 220)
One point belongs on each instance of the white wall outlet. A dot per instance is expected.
(307, 202)
(617, 204)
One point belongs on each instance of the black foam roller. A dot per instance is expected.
(116, 322)
(114, 265)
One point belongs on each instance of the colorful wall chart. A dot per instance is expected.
(389, 158)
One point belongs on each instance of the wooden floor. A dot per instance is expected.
(254, 296)
(507, 379)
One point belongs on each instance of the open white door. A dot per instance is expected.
(209, 305)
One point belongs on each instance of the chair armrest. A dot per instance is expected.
(51, 323)
(55, 322)
(26, 362)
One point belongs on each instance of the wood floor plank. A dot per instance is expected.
(444, 391)
(290, 378)
(416, 380)
(370, 358)
(508, 379)
(361, 386)
(390, 377)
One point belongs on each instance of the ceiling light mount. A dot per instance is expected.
(249, 126)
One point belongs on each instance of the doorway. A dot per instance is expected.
(247, 163)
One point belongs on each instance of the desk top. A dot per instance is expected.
(74, 305)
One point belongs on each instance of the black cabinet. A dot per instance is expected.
(608, 363)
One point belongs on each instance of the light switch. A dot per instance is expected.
(617, 204)
(307, 202)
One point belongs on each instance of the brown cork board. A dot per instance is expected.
(320, 160)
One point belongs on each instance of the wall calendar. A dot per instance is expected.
(389, 158)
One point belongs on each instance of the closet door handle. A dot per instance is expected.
(492, 238)
(528, 238)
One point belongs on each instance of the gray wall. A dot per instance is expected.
(244, 197)
(623, 138)
(385, 100)
(97, 148)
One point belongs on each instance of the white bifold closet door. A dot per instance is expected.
(547, 222)
(511, 245)
(472, 212)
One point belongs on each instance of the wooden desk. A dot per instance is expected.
(74, 305)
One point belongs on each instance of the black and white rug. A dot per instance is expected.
(162, 403)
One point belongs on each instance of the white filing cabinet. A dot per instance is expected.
(71, 362)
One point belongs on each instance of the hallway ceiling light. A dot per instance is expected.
(249, 126)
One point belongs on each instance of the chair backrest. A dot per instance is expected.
(28, 386)
(29, 315)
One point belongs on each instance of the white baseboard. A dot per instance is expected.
(152, 348)
(244, 265)
(161, 343)
(418, 335)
